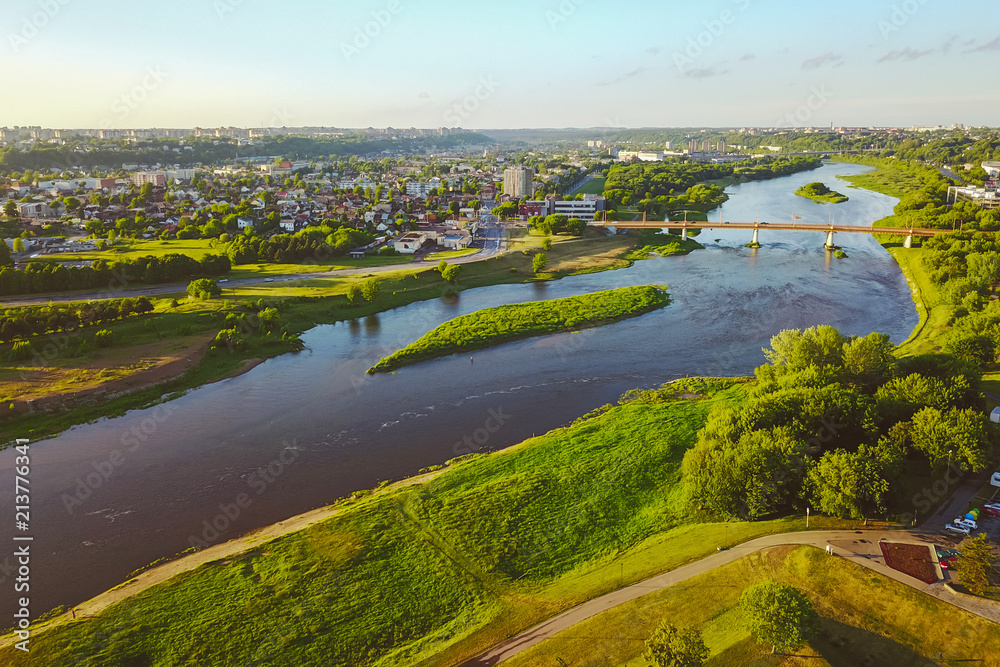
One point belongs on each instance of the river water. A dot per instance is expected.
(301, 430)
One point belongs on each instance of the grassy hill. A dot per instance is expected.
(439, 570)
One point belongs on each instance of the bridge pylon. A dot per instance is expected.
(908, 241)
(755, 241)
(829, 245)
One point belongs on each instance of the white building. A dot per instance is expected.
(418, 189)
(992, 168)
(584, 210)
(34, 210)
(243, 223)
(155, 178)
(642, 156)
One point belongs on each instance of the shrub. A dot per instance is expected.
(20, 351)
(204, 289)
(104, 338)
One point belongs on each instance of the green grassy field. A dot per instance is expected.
(493, 326)
(594, 186)
(450, 254)
(437, 571)
(865, 619)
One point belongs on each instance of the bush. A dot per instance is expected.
(104, 338)
(354, 293)
(21, 350)
(204, 289)
(370, 289)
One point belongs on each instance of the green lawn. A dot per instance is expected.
(437, 571)
(866, 619)
(451, 254)
(594, 186)
(493, 326)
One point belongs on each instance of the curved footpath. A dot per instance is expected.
(860, 546)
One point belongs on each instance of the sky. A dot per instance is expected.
(513, 64)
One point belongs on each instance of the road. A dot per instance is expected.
(493, 241)
(859, 546)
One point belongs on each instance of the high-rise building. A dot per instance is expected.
(517, 181)
(706, 146)
(722, 145)
(693, 146)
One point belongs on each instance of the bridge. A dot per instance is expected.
(829, 229)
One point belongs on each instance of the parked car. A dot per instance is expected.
(995, 506)
(968, 523)
(268, 280)
(224, 280)
(961, 530)
(995, 511)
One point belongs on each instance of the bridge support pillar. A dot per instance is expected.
(612, 230)
(908, 242)
(829, 241)
(684, 234)
(755, 241)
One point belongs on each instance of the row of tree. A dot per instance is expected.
(21, 323)
(313, 243)
(42, 277)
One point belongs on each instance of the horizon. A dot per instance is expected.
(572, 64)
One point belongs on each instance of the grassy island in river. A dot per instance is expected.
(492, 326)
(820, 194)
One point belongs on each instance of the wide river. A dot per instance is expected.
(110, 497)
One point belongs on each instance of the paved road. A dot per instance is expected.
(860, 546)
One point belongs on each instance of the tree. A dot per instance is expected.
(849, 485)
(112, 236)
(451, 273)
(10, 209)
(5, 259)
(956, 435)
(204, 289)
(869, 361)
(539, 262)
(370, 289)
(670, 647)
(977, 569)
(442, 265)
(779, 615)
(546, 243)
(18, 244)
(796, 350)
(354, 293)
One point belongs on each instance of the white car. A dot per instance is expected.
(962, 530)
(967, 523)
(995, 506)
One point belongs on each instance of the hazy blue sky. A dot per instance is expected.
(519, 63)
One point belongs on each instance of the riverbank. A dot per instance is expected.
(935, 313)
(439, 568)
(494, 326)
(303, 304)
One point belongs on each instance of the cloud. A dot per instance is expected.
(949, 44)
(990, 46)
(748, 56)
(624, 77)
(704, 73)
(828, 58)
(653, 51)
(905, 54)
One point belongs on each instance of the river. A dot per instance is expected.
(301, 430)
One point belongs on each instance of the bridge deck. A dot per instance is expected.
(777, 226)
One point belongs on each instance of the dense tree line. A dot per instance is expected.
(19, 323)
(833, 423)
(41, 277)
(648, 180)
(312, 243)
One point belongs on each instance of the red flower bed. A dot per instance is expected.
(912, 559)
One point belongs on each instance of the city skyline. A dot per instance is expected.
(575, 63)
